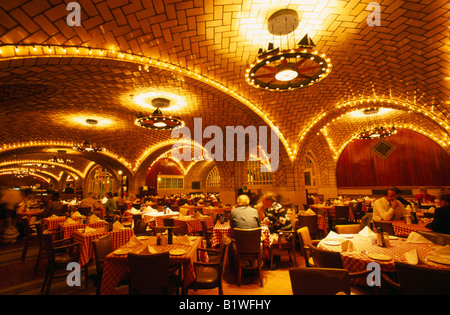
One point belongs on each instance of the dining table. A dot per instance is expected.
(69, 229)
(118, 239)
(192, 223)
(53, 222)
(116, 268)
(401, 228)
(365, 251)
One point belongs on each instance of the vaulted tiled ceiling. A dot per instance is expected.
(47, 96)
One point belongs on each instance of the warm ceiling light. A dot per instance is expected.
(291, 68)
(158, 120)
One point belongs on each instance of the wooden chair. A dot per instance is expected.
(86, 211)
(209, 274)
(40, 228)
(305, 206)
(284, 246)
(341, 215)
(248, 247)
(156, 280)
(328, 259)
(319, 281)
(436, 238)
(102, 247)
(305, 242)
(140, 228)
(310, 221)
(58, 257)
(30, 236)
(420, 280)
(348, 229)
(386, 226)
(168, 222)
(207, 233)
(136, 206)
(358, 213)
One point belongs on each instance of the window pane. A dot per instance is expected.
(307, 178)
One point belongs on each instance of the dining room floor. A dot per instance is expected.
(18, 278)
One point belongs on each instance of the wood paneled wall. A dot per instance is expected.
(416, 161)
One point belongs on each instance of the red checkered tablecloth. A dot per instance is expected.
(53, 223)
(193, 225)
(224, 229)
(118, 238)
(403, 229)
(358, 259)
(70, 228)
(116, 267)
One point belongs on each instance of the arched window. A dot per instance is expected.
(213, 178)
(255, 176)
(309, 172)
(100, 181)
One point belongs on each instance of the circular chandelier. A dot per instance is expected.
(374, 131)
(288, 69)
(377, 132)
(86, 146)
(159, 121)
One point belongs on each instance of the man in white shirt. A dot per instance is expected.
(388, 207)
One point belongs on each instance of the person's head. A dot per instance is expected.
(444, 198)
(268, 199)
(116, 194)
(397, 191)
(109, 195)
(423, 190)
(243, 200)
(390, 194)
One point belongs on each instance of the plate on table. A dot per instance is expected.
(122, 251)
(177, 252)
(439, 260)
(143, 237)
(378, 256)
(347, 235)
(332, 243)
(391, 237)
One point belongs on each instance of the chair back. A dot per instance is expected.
(305, 206)
(304, 236)
(145, 280)
(214, 216)
(168, 222)
(341, 212)
(205, 233)
(136, 206)
(227, 214)
(184, 211)
(385, 226)
(421, 280)
(436, 238)
(102, 247)
(140, 227)
(326, 259)
(348, 229)
(26, 226)
(326, 281)
(248, 241)
(85, 211)
(366, 220)
(309, 221)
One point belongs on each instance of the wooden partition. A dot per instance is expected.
(415, 161)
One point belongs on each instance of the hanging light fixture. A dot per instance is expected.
(374, 130)
(290, 68)
(86, 146)
(159, 121)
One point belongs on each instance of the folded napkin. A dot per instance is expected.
(117, 226)
(94, 218)
(183, 240)
(414, 237)
(431, 210)
(135, 211)
(309, 212)
(70, 221)
(333, 236)
(88, 229)
(442, 252)
(168, 211)
(197, 215)
(134, 241)
(347, 246)
(54, 216)
(149, 250)
(367, 232)
(412, 257)
(76, 214)
(181, 216)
